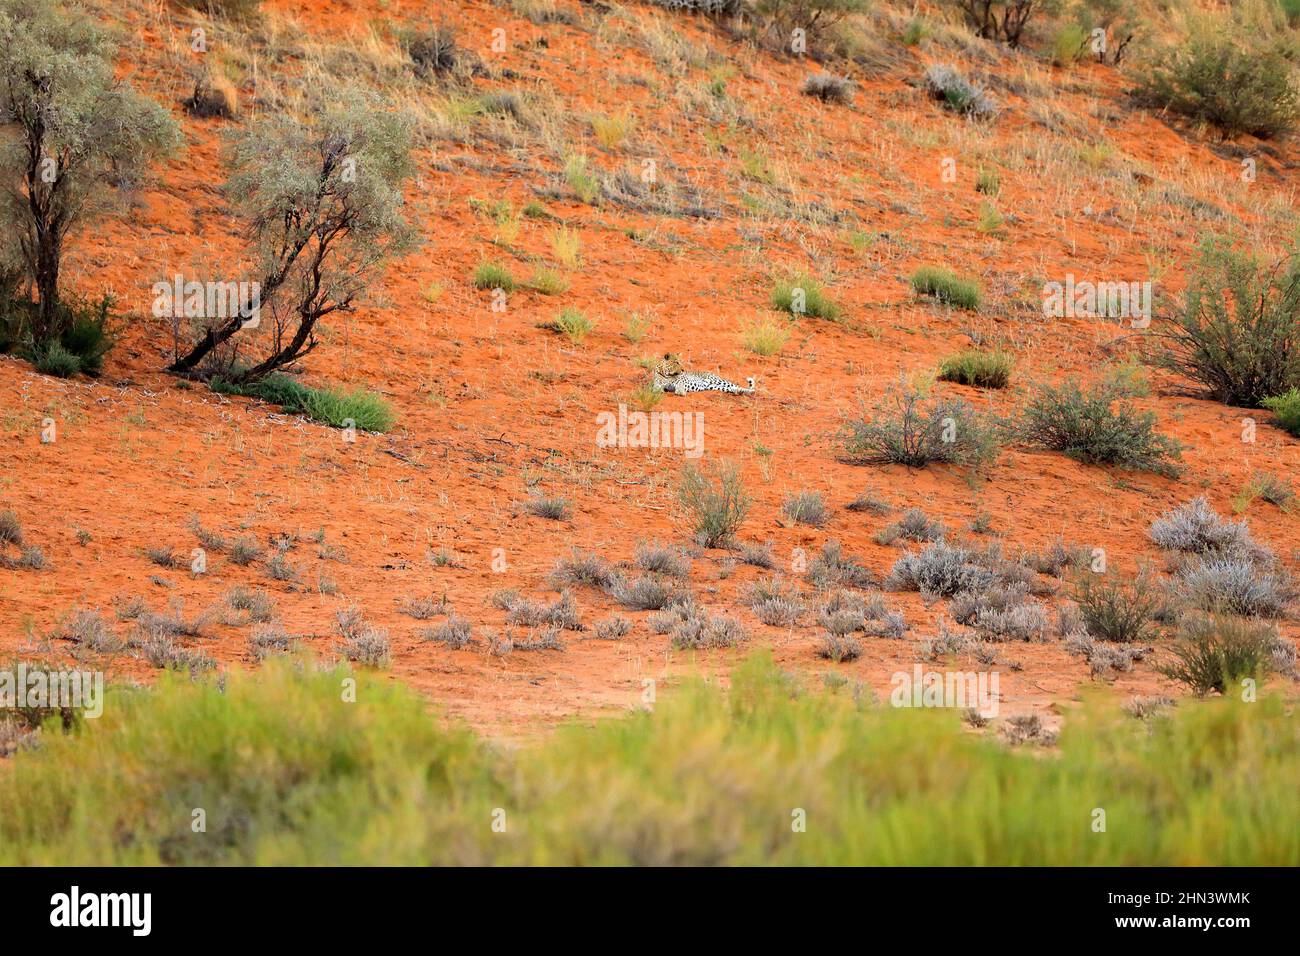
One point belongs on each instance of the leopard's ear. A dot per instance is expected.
(668, 355)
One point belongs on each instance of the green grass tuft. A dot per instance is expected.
(359, 408)
(977, 368)
(802, 295)
(946, 287)
(53, 359)
(493, 275)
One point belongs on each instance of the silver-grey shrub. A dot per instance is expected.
(704, 631)
(1231, 584)
(957, 93)
(941, 569)
(1196, 528)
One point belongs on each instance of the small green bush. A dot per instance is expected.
(1287, 409)
(916, 31)
(946, 287)
(1068, 45)
(581, 180)
(1215, 651)
(1226, 81)
(765, 336)
(1114, 611)
(1098, 428)
(53, 359)
(910, 432)
(978, 368)
(79, 347)
(804, 295)
(1237, 329)
(86, 335)
(715, 507)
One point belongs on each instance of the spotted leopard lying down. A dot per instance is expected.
(671, 377)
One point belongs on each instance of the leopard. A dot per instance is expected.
(669, 376)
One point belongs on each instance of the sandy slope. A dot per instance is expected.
(490, 406)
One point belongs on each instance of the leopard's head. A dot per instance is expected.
(669, 367)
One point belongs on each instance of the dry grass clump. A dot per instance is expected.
(613, 628)
(213, 97)
(647, 592)
(1057, 557)
(829, 88)
(363, 643)
(434, 51)
(582, 569)
(869, 503)
(839, 647)
(164, 653)
(832, 568)
(426, 608)
(758, 555)
(255, 603)
(455, 633)
(11, 529)
(807, 508)
(1002, 613)
(269, 639)
(941, 569)
(88, 629)
(244, 551)
(957, 93)
(845, 612)
(663, 622)
(779, 612)
(554, 509)
(660, 558)
(914, 525)
(704, 631)
(562, 613)
(1232, 584)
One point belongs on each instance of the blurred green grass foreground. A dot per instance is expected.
(281, 767)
